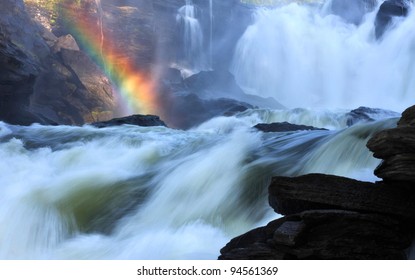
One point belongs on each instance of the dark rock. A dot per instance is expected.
(366, 114)
(387, 11)
(21, 52)
(324, 234)
(387, 143)
(40, 86)
(65, 42)
(408, 117)
(222, 84)
(188, 110)
(397, 149)
(139, 120)
(172, 76)
(318, 191)
(284, 126)
(400, 167)
(352, 10)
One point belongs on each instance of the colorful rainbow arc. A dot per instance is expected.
(135, 88)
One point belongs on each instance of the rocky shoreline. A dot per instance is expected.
(332, 217)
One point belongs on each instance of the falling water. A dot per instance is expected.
(192, 57)
(305, 58)
(101, 27)
(211, 33)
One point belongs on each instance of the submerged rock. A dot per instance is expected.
(139, 120)
(284, 126)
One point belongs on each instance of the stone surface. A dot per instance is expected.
(366, 114)
(139, 120)
(40, 83)
(324, 234)
(284, 126)
(222, 84)
(396, 147)
(318, 191)
(65, 42)
(387, 11)
(408, 117)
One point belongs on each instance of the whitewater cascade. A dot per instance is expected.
(305, 57)
(154, 193)
(192, 57)
(130, 192)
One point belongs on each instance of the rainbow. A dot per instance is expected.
(136, 89)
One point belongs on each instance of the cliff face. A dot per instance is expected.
(331, 217)
(46, 79)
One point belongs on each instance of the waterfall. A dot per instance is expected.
(101, 27)
(305, 58)
(211, 33)
(192, 56)
(153, 192)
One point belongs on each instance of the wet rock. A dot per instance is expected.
(284, 126)
(318, 191)
(222, 84)
(189, 110)
(324, 234)
(408, 117)
(139, 120)
(387, 12)
(396, 147)
(366, 114)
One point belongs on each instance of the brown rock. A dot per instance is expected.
(408, 117)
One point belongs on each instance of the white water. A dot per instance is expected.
(157, 193)
(154, 193)
(211, 33)
(307, 58)
(193, 58)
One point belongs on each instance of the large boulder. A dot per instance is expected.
(221, 84)
(324, 234)
(389, 10)
(331, 217)
(396, 147)
(366, 114)
(318, 191)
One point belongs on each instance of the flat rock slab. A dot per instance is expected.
(283, 127)
(139, 120)
(318, 191)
